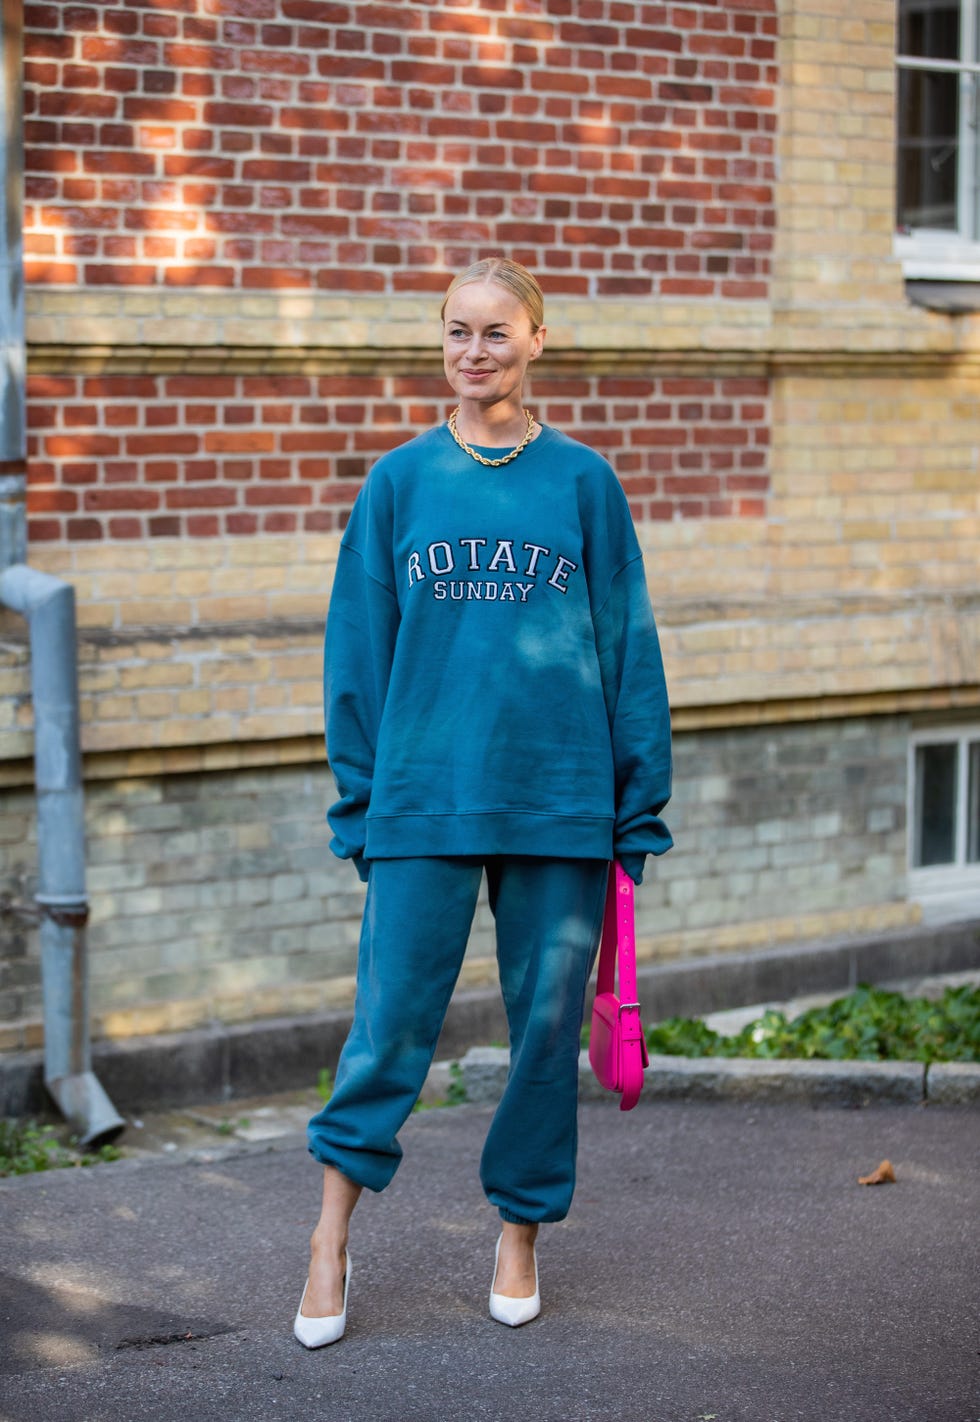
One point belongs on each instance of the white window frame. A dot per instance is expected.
(935, 253)
(946, 889)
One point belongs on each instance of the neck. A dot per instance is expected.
(492, 425)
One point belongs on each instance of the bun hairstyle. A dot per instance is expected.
(517, 280)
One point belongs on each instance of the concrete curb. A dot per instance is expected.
(733, 1078)
(953, 1083)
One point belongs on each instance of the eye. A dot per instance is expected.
(456, 332)
(497, 336)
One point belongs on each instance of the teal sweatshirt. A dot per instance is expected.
(493, 680)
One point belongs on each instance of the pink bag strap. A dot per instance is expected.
(619, 939)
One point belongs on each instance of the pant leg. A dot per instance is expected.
(416, 924)
(549, 917)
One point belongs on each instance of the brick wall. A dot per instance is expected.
(214, 898)
(624, 148)
(289, 189)
(857, 588)
(132, 457)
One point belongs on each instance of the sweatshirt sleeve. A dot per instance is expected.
(639, 717)
(362, 625)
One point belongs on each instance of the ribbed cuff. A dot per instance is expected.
(509, 1217)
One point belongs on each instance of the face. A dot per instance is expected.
(487, 343)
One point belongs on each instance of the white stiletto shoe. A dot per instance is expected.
(514, 1312)
(318, 1332)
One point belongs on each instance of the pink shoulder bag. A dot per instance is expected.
(617, 1047)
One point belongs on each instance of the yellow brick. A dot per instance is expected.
(303, 605)
(116, 708)
(232, 609)
(152, 585)
(269, 726)
(90, 614)
(269, 695)
(220, 672)
(156, 674)
(157, 613)
(187, 553)
(154, 649)
(306, 693)
(231, 698)
(193, 703)
(151, 705)
(256, 552)
(193, 582)
(246, 578)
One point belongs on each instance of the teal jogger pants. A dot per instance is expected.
(548, 916)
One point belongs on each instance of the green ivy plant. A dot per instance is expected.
(867, 1025)
(26, 1147)
(324, 1084)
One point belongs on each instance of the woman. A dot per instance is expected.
(495, 703)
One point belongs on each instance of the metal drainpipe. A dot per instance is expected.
(49, 606)
(13, 444)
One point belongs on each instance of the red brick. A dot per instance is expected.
(241, 523)
(100, 275)
(136, 53)
(187, 442)
(124, 528)
(201, 276)
(43, 530)
(200, 496)
(83, 530)
(102, 500)
(259, 496)
(52, 501)
(164, 527)
(68, 103)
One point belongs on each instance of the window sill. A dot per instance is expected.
(952, 907)
(942, 270)
(946, 892)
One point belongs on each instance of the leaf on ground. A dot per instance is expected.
(884, 1175)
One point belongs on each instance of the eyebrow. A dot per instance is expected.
(490, 326)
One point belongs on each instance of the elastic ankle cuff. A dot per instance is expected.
(509, 1217)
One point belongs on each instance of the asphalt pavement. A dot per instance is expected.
(721, 1264)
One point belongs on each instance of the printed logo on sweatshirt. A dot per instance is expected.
(448, 568)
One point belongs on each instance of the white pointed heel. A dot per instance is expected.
(318, 1332)
(514, 1312)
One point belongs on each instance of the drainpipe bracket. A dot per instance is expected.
(65, 912)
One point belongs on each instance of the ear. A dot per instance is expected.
(537, 342)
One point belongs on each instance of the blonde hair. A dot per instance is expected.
(517, 280)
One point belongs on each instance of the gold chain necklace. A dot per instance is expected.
(491, 463)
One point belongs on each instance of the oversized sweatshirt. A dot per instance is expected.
(492, 674)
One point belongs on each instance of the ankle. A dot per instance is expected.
(518, 1236)
(328, 1244)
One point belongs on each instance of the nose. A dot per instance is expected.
(474, 349)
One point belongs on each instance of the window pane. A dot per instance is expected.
(928, 149)
(935, 804)
(928, 116)
(973, 807)
(929, 29)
